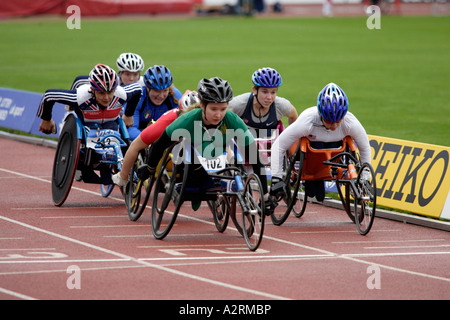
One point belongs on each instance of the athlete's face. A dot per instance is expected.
(104, 98)
(157, 97)
(214, 112)
(266, 96)
(331, 125)
(127, 77)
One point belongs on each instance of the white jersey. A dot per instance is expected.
(309, 124)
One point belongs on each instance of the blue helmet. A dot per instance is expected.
(158, 77)
(266, 77)
(332, 103)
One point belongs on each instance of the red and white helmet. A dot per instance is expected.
(102, 78)
(188, 99)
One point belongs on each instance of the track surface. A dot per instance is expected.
(89, 249)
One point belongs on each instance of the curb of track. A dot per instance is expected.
(380, 213)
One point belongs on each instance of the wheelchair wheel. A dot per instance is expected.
(346, 196)
(168, 193)
(221, 212)
(137, 192)
(220, 209)
(253, 211)
(294, 184)
(106, 189)
(365, 204)
(66, 161)
(346, 193)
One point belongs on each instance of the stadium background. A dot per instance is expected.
(396, 76)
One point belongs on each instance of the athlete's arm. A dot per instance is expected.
(51, 96)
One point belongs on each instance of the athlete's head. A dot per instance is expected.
(332, 103)
(266, 77)
(214, 93)
(158, 80)
(158, 77)
(103, 78)
(265, 86)
(104, 81)
(130, 66)
(189, 98)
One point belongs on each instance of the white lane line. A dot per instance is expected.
(61, 208)
(145, 263)
(326, 252)
(111, 226)
(340, 231)
(78, 217)
(354, 259)
(410, 247)
(16, 294)
(386, 241)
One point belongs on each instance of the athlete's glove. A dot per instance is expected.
(365, 174)
(278, 188)
(118, 180)
(144, 172)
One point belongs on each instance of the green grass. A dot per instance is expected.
(397, 78)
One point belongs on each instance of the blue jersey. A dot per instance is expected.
(146, 111)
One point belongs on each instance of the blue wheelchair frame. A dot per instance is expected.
(85, 161)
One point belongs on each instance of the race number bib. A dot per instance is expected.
(213, 164)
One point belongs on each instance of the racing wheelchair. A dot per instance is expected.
(355, 181)
(183, 175)
(137, 191)
(91, 156)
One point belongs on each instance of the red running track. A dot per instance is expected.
(89, 249)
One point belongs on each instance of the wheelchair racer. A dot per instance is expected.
(324, 125)
(98, 105)
(130, 66)
(262, 109)
(149, 135)
(158, 96)
(217, 126)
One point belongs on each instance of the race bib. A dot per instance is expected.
(213, 164)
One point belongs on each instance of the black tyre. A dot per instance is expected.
(365, 204)
(168, 194)
(66, 161)
(253, 208)
(293, 182)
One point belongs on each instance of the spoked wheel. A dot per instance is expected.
(293, 182)
(345, 191)
(66, 161)
(300, 203)
(220, 209)
(168, 194)
(137, 192)
(253, 211)
(346, 196)
(365, 204)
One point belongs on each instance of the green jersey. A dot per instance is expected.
(210, 142)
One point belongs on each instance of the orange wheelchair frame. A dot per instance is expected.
(355, 182)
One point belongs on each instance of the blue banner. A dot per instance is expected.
(18, 111)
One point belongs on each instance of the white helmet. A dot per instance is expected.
(131, 62)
